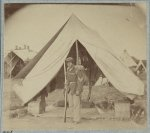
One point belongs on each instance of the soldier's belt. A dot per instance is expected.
(72, 82)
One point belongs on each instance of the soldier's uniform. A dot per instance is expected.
(74, 85)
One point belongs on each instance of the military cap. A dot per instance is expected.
(69, 59)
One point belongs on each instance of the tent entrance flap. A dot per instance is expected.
(93, 72)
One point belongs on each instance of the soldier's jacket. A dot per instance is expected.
(74, 80)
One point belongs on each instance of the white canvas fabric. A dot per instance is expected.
(52, 60)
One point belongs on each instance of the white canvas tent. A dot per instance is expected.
(54, 56)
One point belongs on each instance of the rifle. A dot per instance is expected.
(65, 111)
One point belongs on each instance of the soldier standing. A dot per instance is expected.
(74, 88)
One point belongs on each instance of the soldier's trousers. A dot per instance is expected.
(74, 105)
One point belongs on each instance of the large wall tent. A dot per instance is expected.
(49, 61)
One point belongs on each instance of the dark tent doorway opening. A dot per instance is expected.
(92, 70)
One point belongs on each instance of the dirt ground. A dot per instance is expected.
(56, 123)
(29, 122)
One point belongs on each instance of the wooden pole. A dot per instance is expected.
(77, 53)
(65, 72)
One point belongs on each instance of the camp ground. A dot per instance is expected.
(113, 96)
(84, 45)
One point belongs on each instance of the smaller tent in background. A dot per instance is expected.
(25, 53)
(141, 66)
(127, 59)
(12, 65)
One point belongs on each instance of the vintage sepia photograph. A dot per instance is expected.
(74, 66)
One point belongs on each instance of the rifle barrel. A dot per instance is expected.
(65, 111)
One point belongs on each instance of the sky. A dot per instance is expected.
(122, 27)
